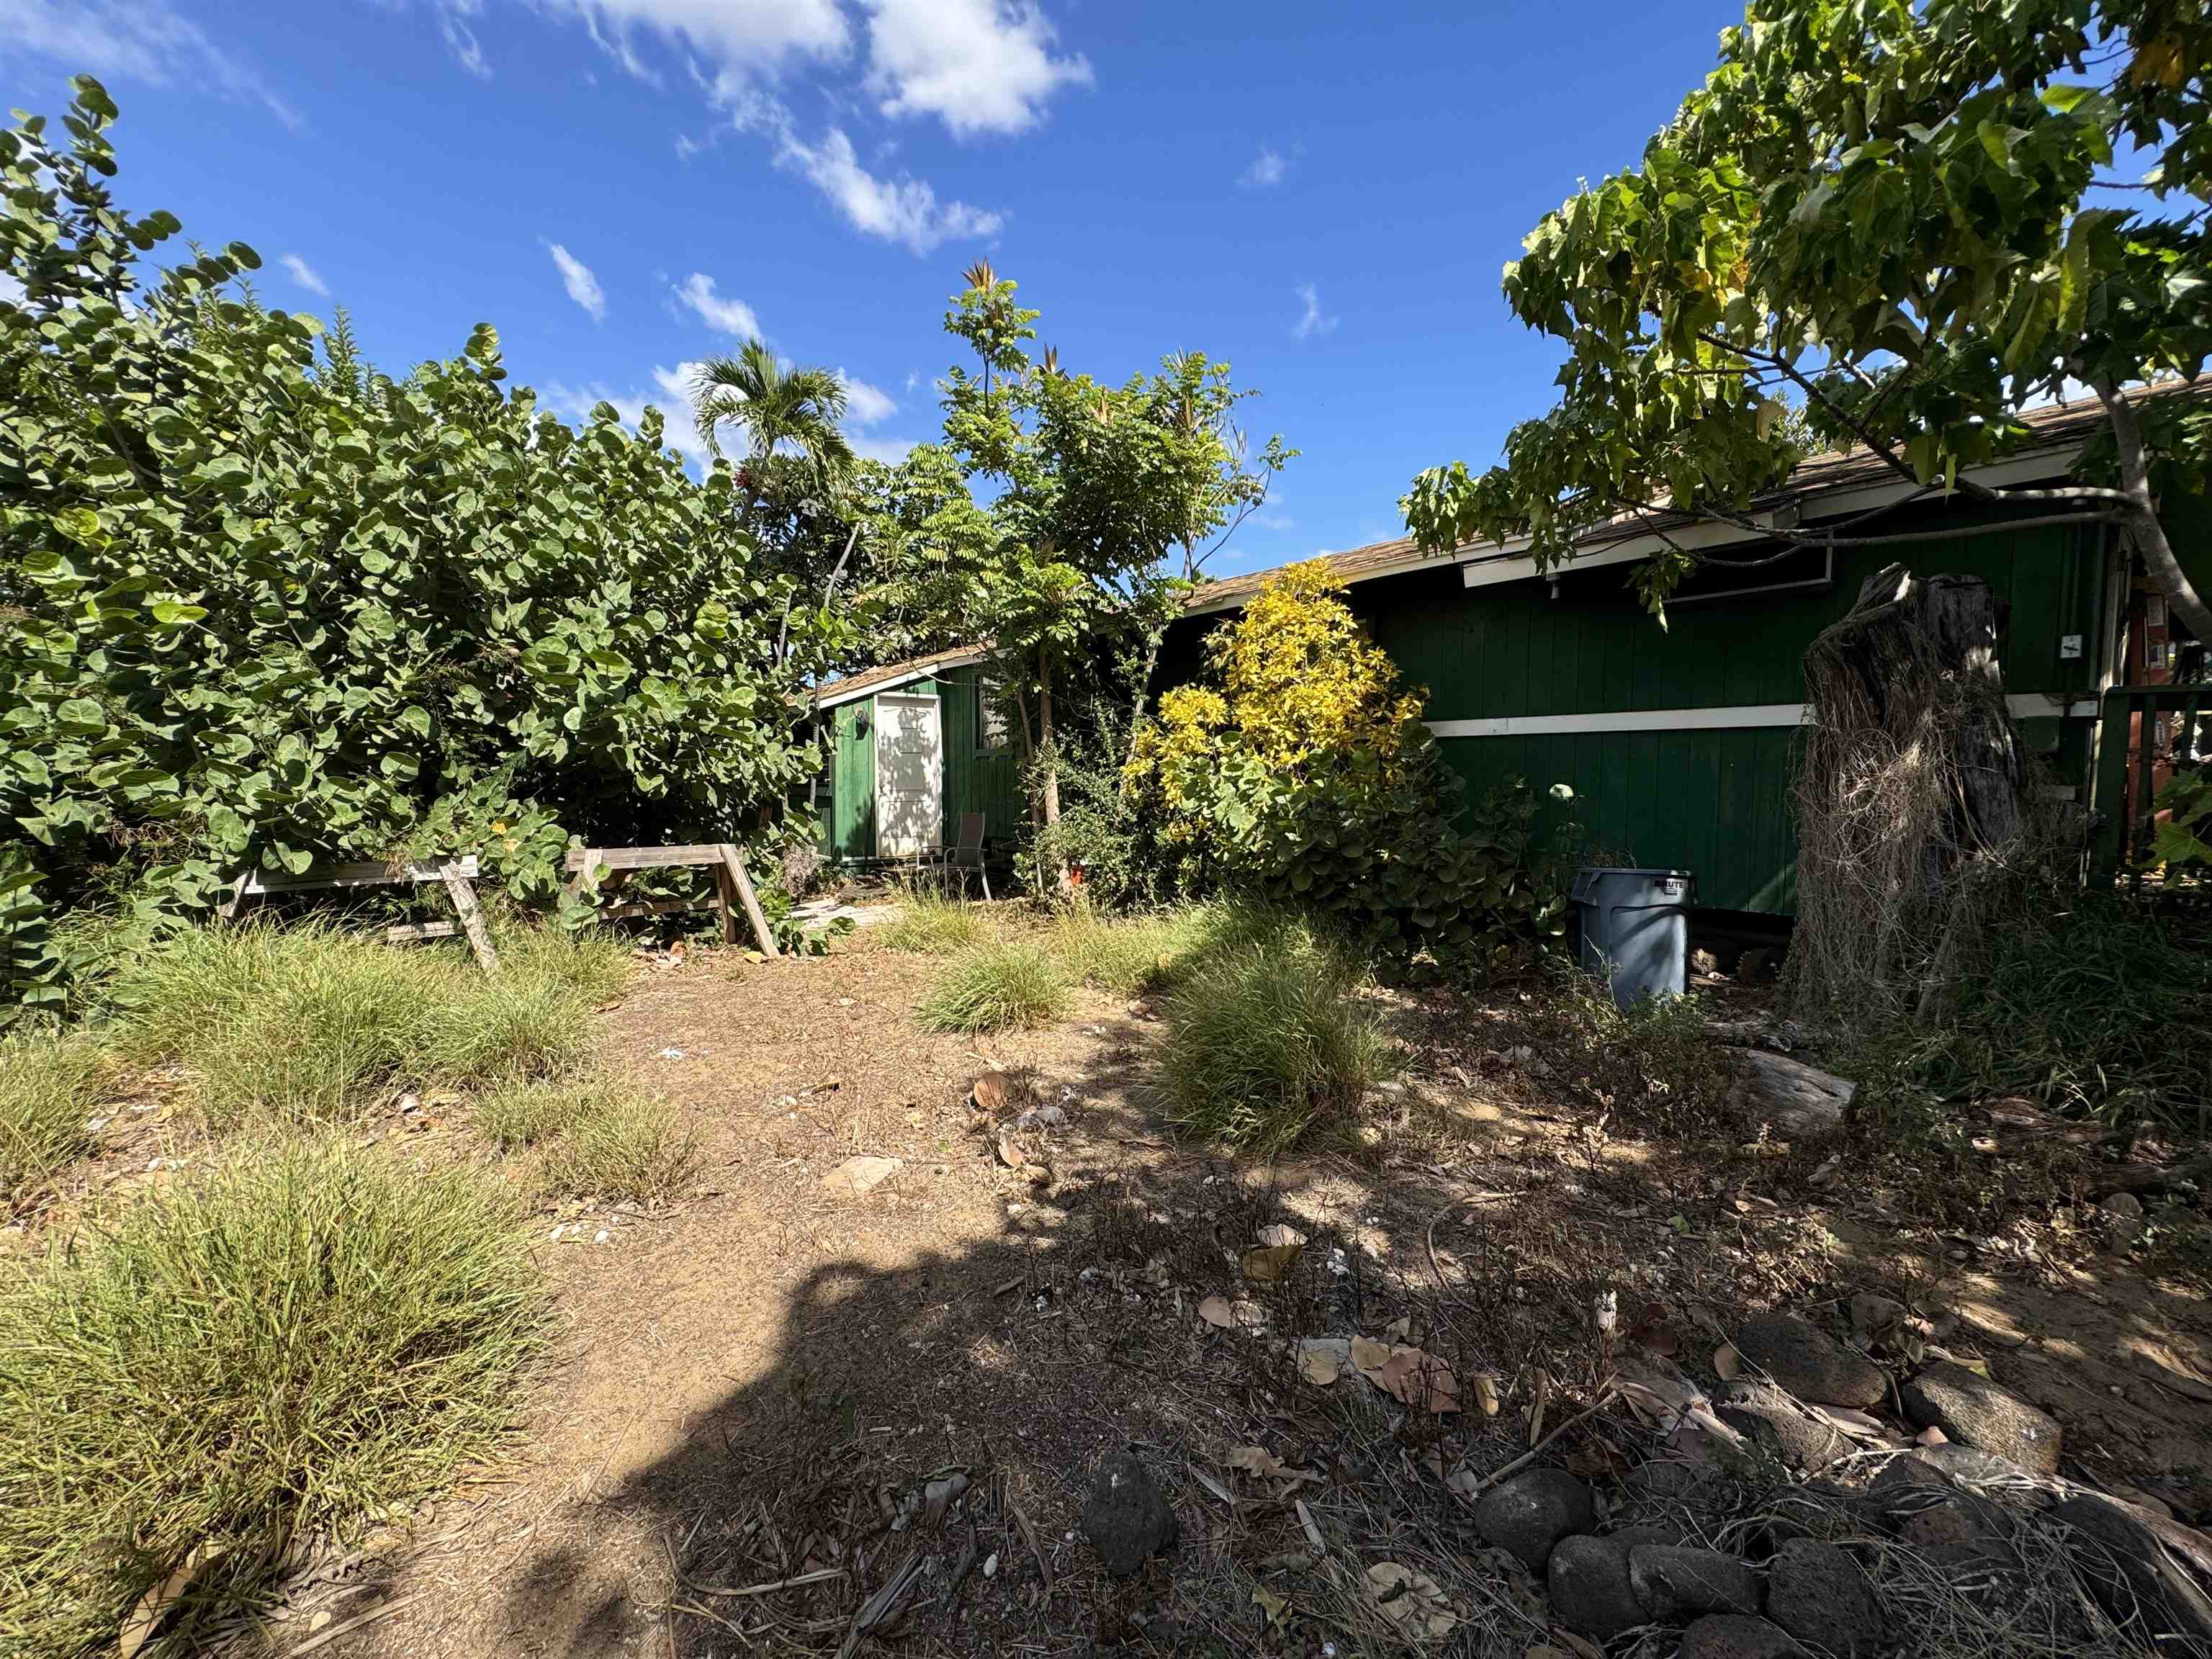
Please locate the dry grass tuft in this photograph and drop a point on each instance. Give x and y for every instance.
(929, 924)
(614, 1144)
(280, 1348)
(50, 1088)
(1004, 985)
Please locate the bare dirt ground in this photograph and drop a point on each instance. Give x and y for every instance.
(779, 1380)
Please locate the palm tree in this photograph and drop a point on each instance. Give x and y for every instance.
(782, 408)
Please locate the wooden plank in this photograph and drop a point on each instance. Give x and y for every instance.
(735, 866)
(356, 875)
(408, 932)
(725, 901)
(465, 905)
(653, 908)
(642, 858)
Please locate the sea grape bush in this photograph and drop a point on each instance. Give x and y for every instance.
(261, 607)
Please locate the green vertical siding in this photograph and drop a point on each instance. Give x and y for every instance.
(1713, 801)
(1716, 801)
(977, 780)
(851, 816)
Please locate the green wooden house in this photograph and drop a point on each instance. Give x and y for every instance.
(1679, 742)
(915, 745)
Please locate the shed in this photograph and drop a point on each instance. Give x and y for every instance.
(1679, 742)
(913, 746)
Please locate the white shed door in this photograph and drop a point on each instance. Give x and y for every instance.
(909, 775)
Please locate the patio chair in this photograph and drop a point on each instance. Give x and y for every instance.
(968, 854)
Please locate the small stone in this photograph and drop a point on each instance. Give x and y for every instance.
(860, 1175)
(1731, 1636)
(1809, 1363)
(1127, 1517)
(1773, 1421)
(2134, 1575)
(1819, 1593)
(1533, 1511)
(1587, 1579)
(1674, 1583)
(2123, 1204)
(1970, 1408)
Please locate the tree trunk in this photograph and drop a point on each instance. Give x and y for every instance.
(1152, 638)
(1913, 803)
(2164, 570)
(1051, 789)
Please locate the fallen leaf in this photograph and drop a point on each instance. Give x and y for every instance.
(1276, 1235)
(1010, 1151)
(1409, 1374)
(1411, 1600)
(1321, 1359)
(1932, 1436)
(1577, 1644)
(992, 1092)
(1267, 1263)
(1258, 1460)
(1728, 1363)
(1486, 1394)
(154, 1605)
(1215, 1310)
(1270, 1603)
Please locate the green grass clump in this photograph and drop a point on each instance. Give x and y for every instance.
(317, 1024)
(529, 1110)
(1268, 1042)
(1003, 984)
(1126, 956)
(286, 1344)
(617, 1144)
(929, 924)
(50, 1087)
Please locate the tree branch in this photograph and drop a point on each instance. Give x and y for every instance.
(1805, 384)
(2164, 570)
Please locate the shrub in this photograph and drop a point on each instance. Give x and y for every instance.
(283, 1346)
(1654, 1064)
(1301, 773)
(617, 1144)
(1002, 985)
(49, 1089)
(304, 612)
(929, 924)
(1126, 956)
(314, 1023)
(1267, 1041)
(527, 1111)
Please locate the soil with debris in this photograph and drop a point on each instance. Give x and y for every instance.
(902, 1373)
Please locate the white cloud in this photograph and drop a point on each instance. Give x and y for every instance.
(890, 451)
(865, 405)
(1267, 170)
(913, 379)
(304, 275)
(1312, 320)
(456, 21)
(672, 396)
(134, 40)
(978, 65)
(738, 42)
(583, 286)
(1273, 520)
(905, 210)
(697, 293)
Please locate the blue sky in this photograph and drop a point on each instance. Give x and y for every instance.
(1320, 193)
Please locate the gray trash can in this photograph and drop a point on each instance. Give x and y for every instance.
(1636, 930)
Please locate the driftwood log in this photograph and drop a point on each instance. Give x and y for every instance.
(1799, 1102)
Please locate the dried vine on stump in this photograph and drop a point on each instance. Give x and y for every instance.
(1914, 815)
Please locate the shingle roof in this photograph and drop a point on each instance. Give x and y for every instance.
(2053, 427)
(830, 693)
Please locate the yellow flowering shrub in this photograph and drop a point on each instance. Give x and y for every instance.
(1300, 770)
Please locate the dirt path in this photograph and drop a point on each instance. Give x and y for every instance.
(750, 1389)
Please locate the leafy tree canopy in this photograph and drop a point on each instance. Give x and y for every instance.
(1906, 219)
(262, 610)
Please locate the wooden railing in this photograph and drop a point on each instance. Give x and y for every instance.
(2148, 731)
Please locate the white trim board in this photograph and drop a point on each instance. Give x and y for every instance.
(1740, 717)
